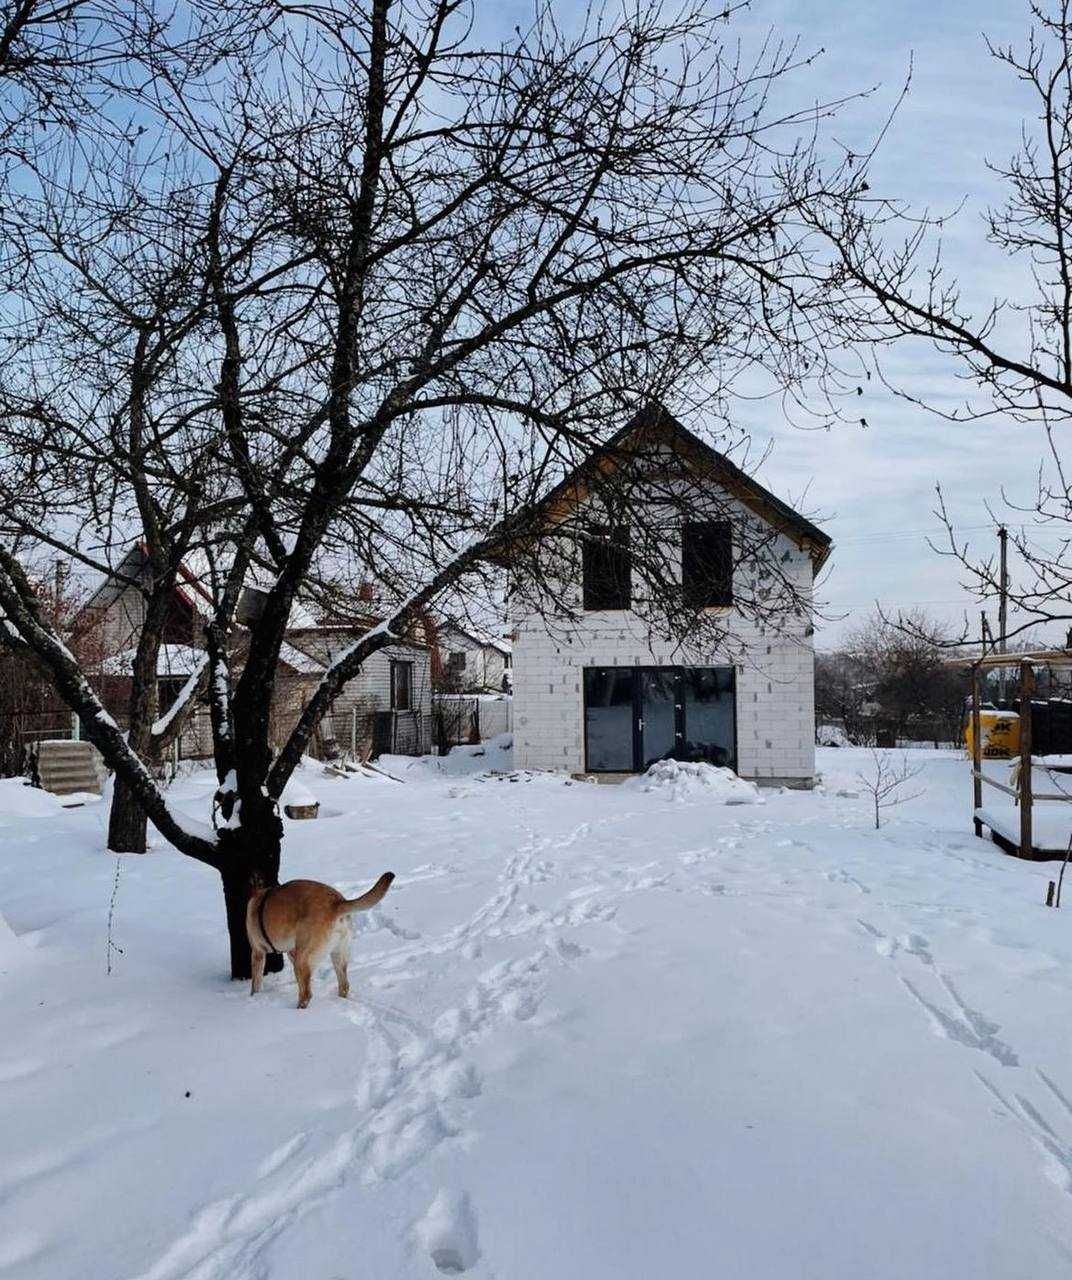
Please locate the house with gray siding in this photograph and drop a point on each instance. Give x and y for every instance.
(600, 690)
(387, 706)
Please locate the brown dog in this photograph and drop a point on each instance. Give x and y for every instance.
(306, 919)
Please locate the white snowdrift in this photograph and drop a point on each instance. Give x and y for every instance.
(494, 756)
(297, 793)
(684, 780)
(19, 800)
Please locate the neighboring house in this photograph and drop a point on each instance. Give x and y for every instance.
(607, 695)
(386, 707)
(296, 678)
(396, 679)
(110, 621)
(473, 661)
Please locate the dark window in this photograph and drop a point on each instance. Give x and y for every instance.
(707, 564)
(168, 689)
(456, 662)
(508, 661)
(401, 686)
(608, 570)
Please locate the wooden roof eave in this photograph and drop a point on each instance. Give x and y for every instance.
(995, 661)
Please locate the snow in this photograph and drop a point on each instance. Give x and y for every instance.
(172, 660)
(592, 1033)
(182, 698)
(1051, 823)
(296, 793)
(832, 735)
(19, 800)
(684, 780)
(484, 758)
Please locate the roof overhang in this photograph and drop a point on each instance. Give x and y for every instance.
(655, 426)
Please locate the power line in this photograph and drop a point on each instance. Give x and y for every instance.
(884, 535)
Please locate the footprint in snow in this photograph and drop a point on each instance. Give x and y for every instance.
(281, 1155)
(448, 1234)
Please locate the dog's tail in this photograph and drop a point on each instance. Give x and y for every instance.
(370, 899)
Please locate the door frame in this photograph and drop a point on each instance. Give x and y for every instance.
(680, 727)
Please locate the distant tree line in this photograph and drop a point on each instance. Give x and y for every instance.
(889, 681)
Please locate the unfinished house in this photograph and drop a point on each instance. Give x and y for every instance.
(598, 690)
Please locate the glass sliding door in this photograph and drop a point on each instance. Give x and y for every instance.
(609, 719)
(634, 716)
(659, 705)
(710, 723)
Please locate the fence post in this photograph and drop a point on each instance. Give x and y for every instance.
(1027, 688)
(353, 732)
(977, 753)
(76, 727)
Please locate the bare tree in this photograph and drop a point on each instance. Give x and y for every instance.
(1016, 356)
(437, 278)
(100, 444)
(903, 664)
(884, 781)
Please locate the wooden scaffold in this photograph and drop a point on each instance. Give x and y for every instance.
(1017, 828)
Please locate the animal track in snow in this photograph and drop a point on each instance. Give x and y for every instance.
(448, 1233)
(967, 1027)
(1044, 1135)
(415, 1087)
(962, 1023)
(841, 876)
(281, 1155)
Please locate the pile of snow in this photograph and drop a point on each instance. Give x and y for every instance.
(296, 793)
(831, 735)
(494, 756)
(685, 780)
(19, 800)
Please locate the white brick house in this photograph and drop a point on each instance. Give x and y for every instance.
(603, 693)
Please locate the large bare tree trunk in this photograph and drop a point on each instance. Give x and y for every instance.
(251, 854)
(126, 821)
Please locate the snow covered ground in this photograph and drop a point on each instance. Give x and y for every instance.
(596, 1032)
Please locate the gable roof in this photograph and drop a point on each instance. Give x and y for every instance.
(485, 639)
(188, 586)
(655, 425)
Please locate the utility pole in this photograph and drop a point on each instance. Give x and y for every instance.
(1003, 599)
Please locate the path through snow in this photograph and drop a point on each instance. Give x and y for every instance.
(594, 1032)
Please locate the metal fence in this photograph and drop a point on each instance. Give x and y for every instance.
(459, 719)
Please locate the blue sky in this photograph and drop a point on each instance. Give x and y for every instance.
(872, 488)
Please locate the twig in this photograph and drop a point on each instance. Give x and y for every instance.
(112, 946)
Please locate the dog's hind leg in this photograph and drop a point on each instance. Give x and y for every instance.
(340, 958)
(257, 969)
(303, 971)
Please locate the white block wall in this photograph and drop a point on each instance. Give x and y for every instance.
(775, 684)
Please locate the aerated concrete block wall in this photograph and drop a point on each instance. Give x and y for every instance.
(774, 679)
